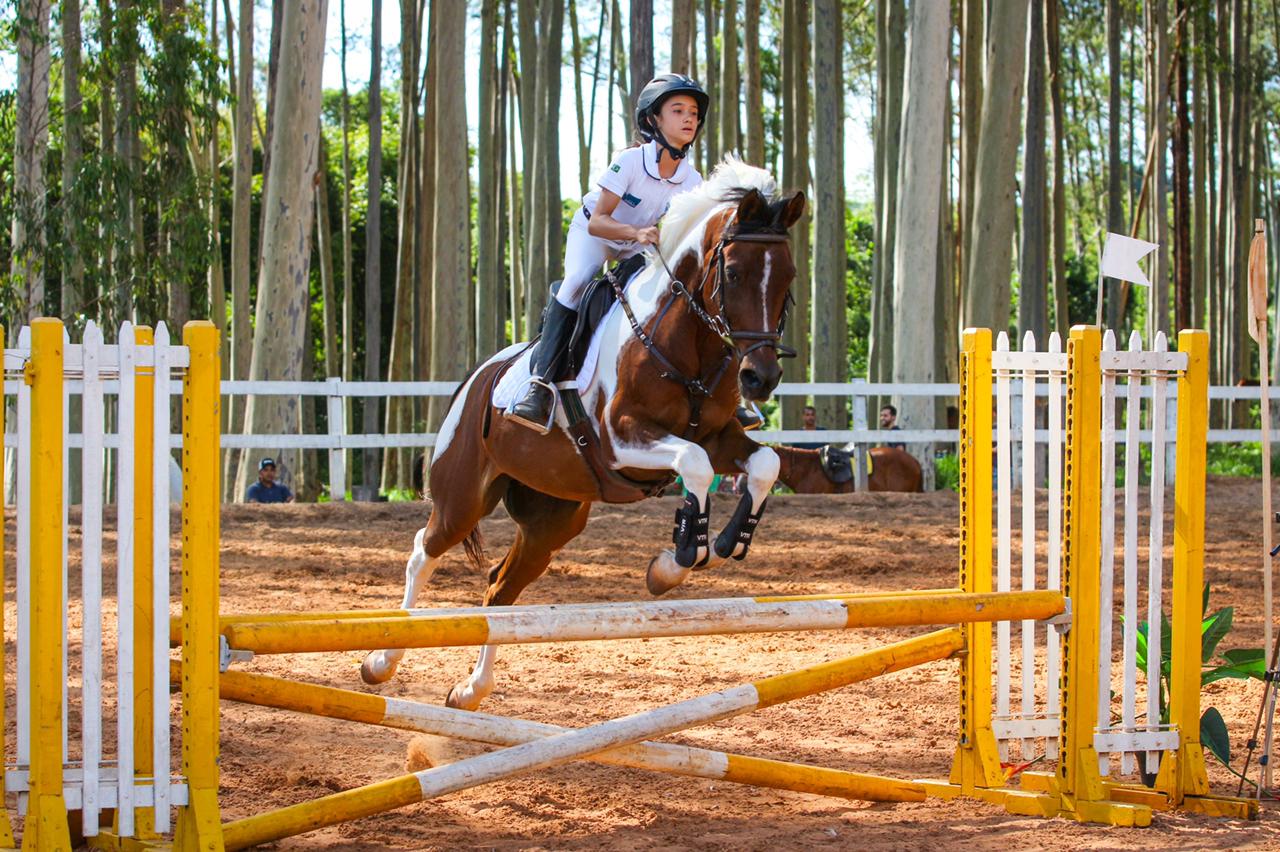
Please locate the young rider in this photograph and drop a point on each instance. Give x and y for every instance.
(616, 221)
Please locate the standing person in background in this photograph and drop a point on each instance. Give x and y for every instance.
(889, 423)
(266, 489)
(809, 423)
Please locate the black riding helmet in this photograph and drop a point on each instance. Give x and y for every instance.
(651, 99)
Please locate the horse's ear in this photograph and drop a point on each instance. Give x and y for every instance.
(792, 210)
(752, 207)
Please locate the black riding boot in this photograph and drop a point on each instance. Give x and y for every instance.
(549, 360)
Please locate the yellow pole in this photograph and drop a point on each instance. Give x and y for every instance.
(6, 829)
(143, 581)
(423, 631)
(1183, 772)
(199, 824)
(46, 823)
(408, 789)
(977, 758)
(1079, 780)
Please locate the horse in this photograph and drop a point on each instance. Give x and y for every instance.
(710, 303)
(830, 471)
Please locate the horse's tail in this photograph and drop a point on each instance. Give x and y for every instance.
(473, 544)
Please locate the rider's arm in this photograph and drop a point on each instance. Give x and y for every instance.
(603, 225)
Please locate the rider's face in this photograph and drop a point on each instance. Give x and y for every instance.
(678, 120)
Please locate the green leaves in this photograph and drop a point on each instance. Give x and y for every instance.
(1213, 735)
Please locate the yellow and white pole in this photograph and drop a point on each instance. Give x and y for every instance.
(334, 703)
(225, 621)
(199, 824)
(574, 745)
(524, 624)
(143, 577)
(46, 823)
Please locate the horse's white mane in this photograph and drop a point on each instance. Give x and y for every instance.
(689, 209)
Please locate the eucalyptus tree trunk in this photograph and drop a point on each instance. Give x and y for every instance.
(31, 144)
(755, 85)
(530, 18)
(449, 356)
(283, 303)
(217, 275)
(797, 331)
(1058, 240)
(729, 82)
(986, 302)
(971, 58)
(921, 195)
(1159, 132)
(241, 344)
(1182, 175)
(1200, 128)
(105, 73)
(372, 249)
(1115, 168)
(515, 228)
(552, 62)
(641, 46)
(72, 150)
(796, 177)
(830, 343)
(426, 216)
(127, 258)
(891, 28)
(1033, 301)
(489, 331)
(711, 133)
(324, 248)
(348, 278)
(584, 154)
(684, 29)
(396, 473)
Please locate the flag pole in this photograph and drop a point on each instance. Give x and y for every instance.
(1258, 331)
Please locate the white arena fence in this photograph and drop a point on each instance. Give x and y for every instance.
(338, 443)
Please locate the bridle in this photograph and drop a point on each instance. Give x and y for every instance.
(701, 387)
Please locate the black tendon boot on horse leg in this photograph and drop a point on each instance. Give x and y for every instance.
(691, 533)
(547, 363)
(739, 529)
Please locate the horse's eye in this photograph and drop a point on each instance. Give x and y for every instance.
(733, 275)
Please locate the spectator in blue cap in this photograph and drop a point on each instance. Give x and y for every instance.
(266, 489)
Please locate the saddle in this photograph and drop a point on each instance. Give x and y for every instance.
(837, 464)
(598, 298)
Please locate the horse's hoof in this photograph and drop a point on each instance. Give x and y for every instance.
(375, 671)
(665, 573)
(458, 698)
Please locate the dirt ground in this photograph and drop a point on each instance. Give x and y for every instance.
(351, 556)
(324, 557)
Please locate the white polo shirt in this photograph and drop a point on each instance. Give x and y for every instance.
(633, 176)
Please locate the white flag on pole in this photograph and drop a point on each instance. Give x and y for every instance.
(1120, 256)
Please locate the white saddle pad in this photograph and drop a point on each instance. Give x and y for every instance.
(511, 388)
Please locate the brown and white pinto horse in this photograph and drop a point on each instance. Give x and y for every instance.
(659, 408)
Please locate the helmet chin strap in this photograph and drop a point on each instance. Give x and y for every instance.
(677, 154)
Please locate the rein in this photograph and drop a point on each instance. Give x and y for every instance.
(701, 387)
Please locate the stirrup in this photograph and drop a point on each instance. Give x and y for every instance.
(540, 428)
(749, 417)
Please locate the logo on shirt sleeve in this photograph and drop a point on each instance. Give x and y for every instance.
(616, 167)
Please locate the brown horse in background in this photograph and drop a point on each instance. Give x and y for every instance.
(807, 472)
(697, 332)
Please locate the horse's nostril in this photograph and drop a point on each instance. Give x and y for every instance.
(750, 379)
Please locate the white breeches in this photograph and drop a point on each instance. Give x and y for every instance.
(584, 257)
